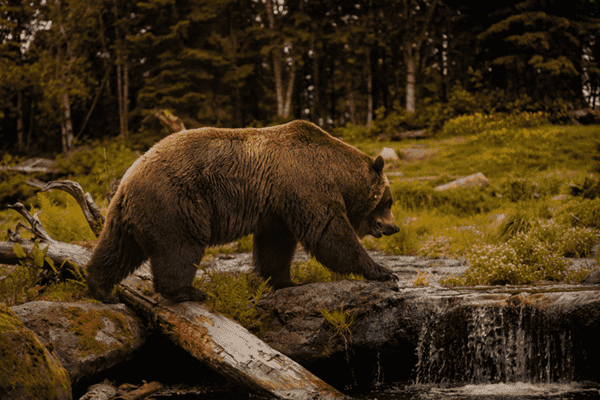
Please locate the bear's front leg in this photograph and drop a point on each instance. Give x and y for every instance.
(340, 250)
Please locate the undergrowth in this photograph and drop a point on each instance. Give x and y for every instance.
(234, 294)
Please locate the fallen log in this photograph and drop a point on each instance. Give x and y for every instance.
(227, 347)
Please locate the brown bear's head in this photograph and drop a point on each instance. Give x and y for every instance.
(380, 220)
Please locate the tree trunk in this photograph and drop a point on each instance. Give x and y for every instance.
(67, 124)
(290, 91)
(125, 99)
(20, 125)
(350, 101)
(284, 99)
(411, 80)
(369, 91)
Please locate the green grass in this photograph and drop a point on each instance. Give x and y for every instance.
(527, 168)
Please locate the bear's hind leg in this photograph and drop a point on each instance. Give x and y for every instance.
(273, 249)
(174, 272)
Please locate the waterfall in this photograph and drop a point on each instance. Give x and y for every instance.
(494, 343)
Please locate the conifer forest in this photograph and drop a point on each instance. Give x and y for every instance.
(77, 70)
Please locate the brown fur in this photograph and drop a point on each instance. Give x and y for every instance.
(211, 186)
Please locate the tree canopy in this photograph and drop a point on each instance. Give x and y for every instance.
(77, 69)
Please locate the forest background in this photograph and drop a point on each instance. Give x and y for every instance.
(94, 69)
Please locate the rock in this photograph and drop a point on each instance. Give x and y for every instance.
(472, 181)
(401, 332)
(389, 154)
(28, 370)
(593, 277)
(86, 337)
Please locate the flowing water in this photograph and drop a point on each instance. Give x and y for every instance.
(484, 344)
(467, 352)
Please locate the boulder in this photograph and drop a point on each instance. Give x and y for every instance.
(389, 154)
(28, 369)
(472, 181)
(399, 332)
(87, 338)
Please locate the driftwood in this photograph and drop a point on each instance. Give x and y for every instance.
(214, 339)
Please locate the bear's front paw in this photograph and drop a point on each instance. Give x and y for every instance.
(383, 274)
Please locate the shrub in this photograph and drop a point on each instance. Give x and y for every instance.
(12, 184)
(492, 128)
(523, 259)
(585, 213)
(588, 189)
(436, 246)
(564, 240)
(97, 164)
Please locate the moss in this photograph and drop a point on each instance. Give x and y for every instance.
(27, 368)
(87, 324)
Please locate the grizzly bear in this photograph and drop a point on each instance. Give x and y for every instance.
(202, 187)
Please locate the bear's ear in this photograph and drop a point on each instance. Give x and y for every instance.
(378, 164)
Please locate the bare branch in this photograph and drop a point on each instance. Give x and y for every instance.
(90, 210)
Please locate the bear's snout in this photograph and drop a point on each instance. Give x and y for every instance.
(388, 229)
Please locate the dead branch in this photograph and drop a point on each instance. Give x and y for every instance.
(91, 211)
(170, 121)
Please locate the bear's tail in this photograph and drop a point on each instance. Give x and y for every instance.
(116, 255)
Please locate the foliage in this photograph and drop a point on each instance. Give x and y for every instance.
(422, 278)
(313, 271)
(235, 295)
(95, 165)
(36, 277)
(486, 127)
(340, 320)
(460, 201)
(62, 217)
(212, 63)
(588, 189)
(521, 260)
(436, 246)
(584, 213)
(12, 184)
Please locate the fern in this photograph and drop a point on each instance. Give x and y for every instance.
(63, 219)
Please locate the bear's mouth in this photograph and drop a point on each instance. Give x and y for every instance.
(376, 231)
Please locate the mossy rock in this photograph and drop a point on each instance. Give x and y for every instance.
(28, 370)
